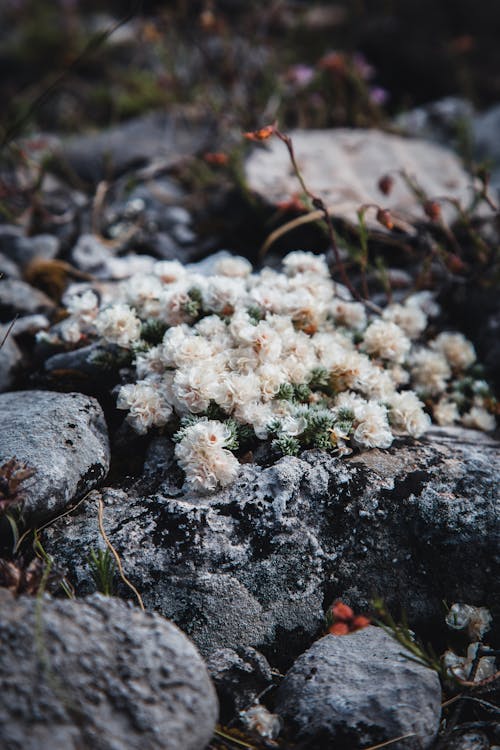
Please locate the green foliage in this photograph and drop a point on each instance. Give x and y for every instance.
(194, 306)
(255, 314)
(286, 392)
(102, 569)
(286, 445)
(153, 330)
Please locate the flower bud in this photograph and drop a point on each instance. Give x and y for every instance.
(385, 184)
(432, 210)
(384, 217)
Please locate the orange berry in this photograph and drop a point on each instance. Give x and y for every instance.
(339, 628)
(341, 611)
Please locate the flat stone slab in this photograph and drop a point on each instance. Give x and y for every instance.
(343, 167)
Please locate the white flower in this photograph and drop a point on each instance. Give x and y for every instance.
(461, 666)
(476, 620)
(445, 412)
(407, 414)
(83, 307)
(386, 340)
(459, 352)
(429, 371)
(301, 262)
(372, 430)
(479, 419)
(233, 267)
(169, 271)
(70, 330)
(146, 406)
(118, 324)
(203, 456)
(410, 318)
(349, 314)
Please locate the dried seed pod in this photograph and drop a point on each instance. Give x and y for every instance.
(432, 210)
(384, 217)
(385, 184)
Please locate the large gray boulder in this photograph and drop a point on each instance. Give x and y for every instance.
(99, 675)
(63, 437)
(360, 689)
(256, 564)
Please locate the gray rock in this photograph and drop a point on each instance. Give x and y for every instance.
(442, 121)
(63, 436)
(22, 250)
(239, 677)
(18, 297)
(256, 564)
(8, 269)
(132, 144)
(360, 689)
(358, 159)
(99, 675)
(93, 256)
(10, 357)
(469, 741)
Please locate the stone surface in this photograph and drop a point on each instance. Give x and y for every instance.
(469, 741)
(22, 250)
(10, 358)
(360, 689)
(259, 562)
(99, 675)
(239, 677)
(444, 121)
(63, 436)
(344, 166)
(132, 144)
(18, 297)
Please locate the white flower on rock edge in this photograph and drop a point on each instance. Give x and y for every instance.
(147, 408)
(203, 455)
(458, 351)
(407, 415)
(84, 307)
(302, 262)
(372, 430)
(118, 324)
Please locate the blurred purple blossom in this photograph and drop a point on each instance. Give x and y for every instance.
(379, 96)
(300, 75)
(362, 66)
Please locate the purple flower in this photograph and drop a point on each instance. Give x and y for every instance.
(379, 96)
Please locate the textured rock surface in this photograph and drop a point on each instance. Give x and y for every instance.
(360, 689)
(258, 563)
(239, 677)
(344, 166)
(10, 357)
(63, 436)
(18, 297)
(99, 675)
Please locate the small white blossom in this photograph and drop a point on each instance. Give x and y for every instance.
(203, 456)
(461, 666)
(118, 324)
(479, 419)
(407, 414)
(386, 340)
(445, 412)
(476, 620)
(459, 352)
(146, 406)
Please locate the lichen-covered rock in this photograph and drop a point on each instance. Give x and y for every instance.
(360, 689)
(63, 437)
(258, 562)
(99, 674)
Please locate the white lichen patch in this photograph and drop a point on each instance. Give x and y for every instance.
(233, 357)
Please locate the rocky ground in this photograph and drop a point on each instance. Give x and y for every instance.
(137, 613)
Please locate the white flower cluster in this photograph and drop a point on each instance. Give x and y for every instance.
(286, 356)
